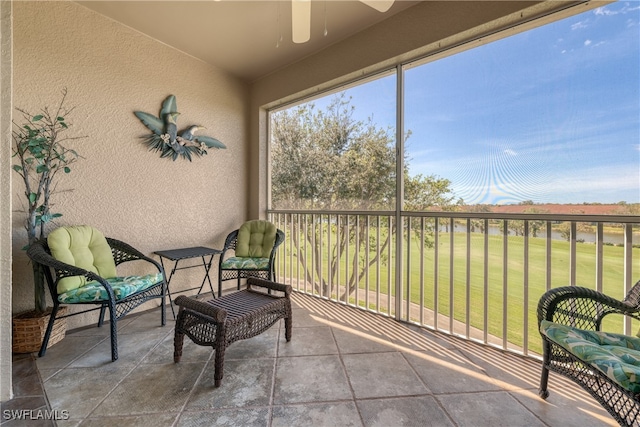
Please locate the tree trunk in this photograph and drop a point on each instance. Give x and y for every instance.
(40, 300)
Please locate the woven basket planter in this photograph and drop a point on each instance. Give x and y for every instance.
(29, 329)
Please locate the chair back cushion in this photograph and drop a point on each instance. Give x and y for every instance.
(84, 247)
(256, 239)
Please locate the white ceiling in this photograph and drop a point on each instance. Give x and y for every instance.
(242, 36)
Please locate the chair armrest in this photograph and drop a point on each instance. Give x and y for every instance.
(217, 314)
(254, 281)
(580, 307)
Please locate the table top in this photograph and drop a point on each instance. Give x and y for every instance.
(196, 251)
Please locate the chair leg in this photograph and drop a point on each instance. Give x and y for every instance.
(219, 363)
(544, 377)
(101, 316)
(178, 342)
(47, 335)
(288, 323)
(114, 331)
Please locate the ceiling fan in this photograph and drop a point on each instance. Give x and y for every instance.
(301, 16)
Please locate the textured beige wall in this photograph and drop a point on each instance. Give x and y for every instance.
(119, 186)
(5, 192)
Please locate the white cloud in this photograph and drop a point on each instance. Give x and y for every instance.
(579, 25)
(603, 11)
(587, 42)
(510, 152)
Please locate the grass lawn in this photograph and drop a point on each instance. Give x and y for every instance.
(451, 281)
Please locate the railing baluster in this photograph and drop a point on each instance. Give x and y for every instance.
(485, 334)
(421, 281)
(572, 254)
(548, 252)
(329, 266)
(408, 275)
(389, 264)
(599, 255)
(468, 282)
(379, 249)
(436, 258)
(628, 281)
(525, 302)
(298, 251)
(356, 263)
(505, 273)
(451, 283)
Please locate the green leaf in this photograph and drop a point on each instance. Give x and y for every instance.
(67, 169)
(56, 215)
(64, 125)
(36, 118)
(17, 168)
(32, 197)
(168, 106)
(60, 119)
(41, 168)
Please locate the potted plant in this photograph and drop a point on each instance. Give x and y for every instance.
(41, 154)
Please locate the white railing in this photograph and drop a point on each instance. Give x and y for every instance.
(488, 269)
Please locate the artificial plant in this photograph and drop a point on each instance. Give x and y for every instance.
(38, 146)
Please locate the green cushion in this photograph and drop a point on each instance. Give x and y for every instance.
(236, 263)
(122, 288)
(615, 355)
(256, 239)
(84, 247)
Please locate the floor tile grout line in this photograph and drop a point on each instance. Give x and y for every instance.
(515, 397)
(274, 372)
(193, 387)
(346, 374)
(133, 368)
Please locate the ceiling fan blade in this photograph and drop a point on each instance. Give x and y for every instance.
(379, 5)
(301, 20)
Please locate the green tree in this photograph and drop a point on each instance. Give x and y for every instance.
(565, 227)
(517, 226)
(327, 160)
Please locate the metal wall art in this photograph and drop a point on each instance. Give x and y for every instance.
(166, 139)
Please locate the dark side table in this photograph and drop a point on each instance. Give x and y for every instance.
(176, 255)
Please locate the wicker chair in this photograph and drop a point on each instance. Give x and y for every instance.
(230, 269)
(56, 270)
(236, 316)
(585, 309)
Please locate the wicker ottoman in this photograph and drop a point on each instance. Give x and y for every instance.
(232, 317)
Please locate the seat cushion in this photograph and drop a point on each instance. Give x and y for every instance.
(256, 239)
(615, 355)
(238, 263)
(84, 247)
(122, 288)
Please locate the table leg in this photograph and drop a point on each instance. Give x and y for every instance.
(168, 282)
(207, 267)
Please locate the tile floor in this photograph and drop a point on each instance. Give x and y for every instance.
(343, 367)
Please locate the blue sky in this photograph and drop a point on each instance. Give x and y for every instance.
(550, 115)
